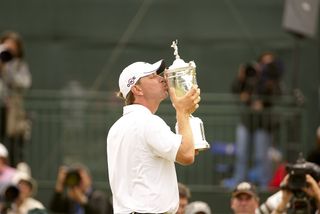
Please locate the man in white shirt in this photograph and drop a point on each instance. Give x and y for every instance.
(141, 148)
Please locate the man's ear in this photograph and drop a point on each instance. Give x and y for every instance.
(136, 89)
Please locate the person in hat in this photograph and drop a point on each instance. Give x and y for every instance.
(19, 197)
(141, 148)
(184, 196)
(198, 207)
(6, 172)
(244, 199)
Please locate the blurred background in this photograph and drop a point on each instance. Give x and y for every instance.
(76, 50)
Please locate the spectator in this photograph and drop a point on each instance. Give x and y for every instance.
(198, 207)
(19, 198)
(244, 199)
(184, 196)
(15, 80)
(81, 197)
(6, 172)
(256, 84)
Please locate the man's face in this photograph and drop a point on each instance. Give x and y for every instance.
(183, 202)
(154, 87)
(244, 204)
(25, 190)
(11, 45)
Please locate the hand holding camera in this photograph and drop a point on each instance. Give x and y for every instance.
(67, 177)
(312, 189)
(76, 180)
(300, 188)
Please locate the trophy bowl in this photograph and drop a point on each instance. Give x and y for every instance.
(181, 79)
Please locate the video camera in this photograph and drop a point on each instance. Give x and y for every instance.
(5, 54)
(301, 202)
(73, 178)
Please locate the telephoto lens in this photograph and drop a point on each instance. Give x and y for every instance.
(5, 54)
(73, 178)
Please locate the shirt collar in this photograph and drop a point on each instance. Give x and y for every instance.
(134, 108)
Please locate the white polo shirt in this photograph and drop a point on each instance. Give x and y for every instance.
(141, 151)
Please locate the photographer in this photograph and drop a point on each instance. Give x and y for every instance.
(15, 79)
(256, 84)
(300, 191)
(74, 193)
(18, 198)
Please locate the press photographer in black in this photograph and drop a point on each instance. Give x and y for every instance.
(300, 191)
(75, 194)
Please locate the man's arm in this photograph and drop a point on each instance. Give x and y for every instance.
(185, 106)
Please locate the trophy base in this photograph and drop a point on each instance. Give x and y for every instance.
(199, 139)
(204, 145)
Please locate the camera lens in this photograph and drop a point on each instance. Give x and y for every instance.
(72, 178)
(11, 193)
(5, 56)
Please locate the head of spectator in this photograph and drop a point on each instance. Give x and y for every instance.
(12, 42)
(270, 66)
(6, 172)
(3, 156)
(266, 57)
(244, 199)
(26, 185)
(184, 196)
(198, 207)
(77, 177)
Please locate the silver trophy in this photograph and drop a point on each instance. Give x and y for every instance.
(182, 76)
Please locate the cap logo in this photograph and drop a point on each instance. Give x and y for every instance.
(131, 81)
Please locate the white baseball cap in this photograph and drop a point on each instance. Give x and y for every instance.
(132, 73)
(3, 151)
(198, 207)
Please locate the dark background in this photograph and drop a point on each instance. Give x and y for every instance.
(91, 41)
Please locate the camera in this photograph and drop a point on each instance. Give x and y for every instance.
(298, 171)
(11, 193)
(301, 202)
(73, 178)
(250, 70)
(5, 54)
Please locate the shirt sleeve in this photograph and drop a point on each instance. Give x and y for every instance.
(162, 141)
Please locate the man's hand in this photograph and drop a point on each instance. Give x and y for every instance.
(312, 189)
(61, 178)
(188, 103)
(77, 195)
